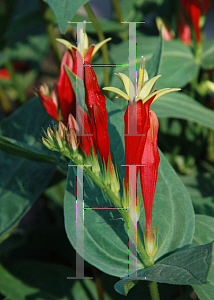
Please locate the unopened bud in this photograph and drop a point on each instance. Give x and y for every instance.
(72, 123)
(62, 129)
(95, 163)
(54, 95)
(50, 133)
(45, 89)
(47, 143)
(72, 139)
(115, 184)
(58, 139)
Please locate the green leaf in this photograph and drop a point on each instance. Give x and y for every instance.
(129, 10)
(204, 233)
(178, 66)
(33, 48)
(65, 10)
(34, 280)
(207, 56)
(3, 57)
(24, 141)
(185, 267)
(22, 181)
(106, 24)
(201, 190)
(105, 238)
(17, 148)
(178, 105)
(154, 63)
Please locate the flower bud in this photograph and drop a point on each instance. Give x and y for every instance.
(45, 89)
(62, 129)
(54, 95)
(50, 133)
(72, 139)
(58, 139)
(72, 123)
(47, 143)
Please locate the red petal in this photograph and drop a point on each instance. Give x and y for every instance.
(78, 64)
(93, 94)
(86, 138)
(205, 5)
(149, 172)
(192, 9)
(65, 89)
(195, 16)
(101, 136)
(49, 105)
(134, 144)
(5, 74)
(88, 55)
(184, 30)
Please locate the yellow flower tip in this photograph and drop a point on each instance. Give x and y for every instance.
(66, 43)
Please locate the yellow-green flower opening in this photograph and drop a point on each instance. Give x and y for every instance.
(144, 86)
(83, 45)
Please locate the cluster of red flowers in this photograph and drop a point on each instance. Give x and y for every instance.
(93, 132)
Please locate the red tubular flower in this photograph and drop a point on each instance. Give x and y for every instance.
(134, 144)
(74, 59)
(184, 30)
(205, 5)
(167, 34)
(65, 89)
(148, 176)
(50, 101)
(193, 10)
(141, 146)
(86, 138)
(96, 104)
(84, 133)
(195, 17)
(5, 74)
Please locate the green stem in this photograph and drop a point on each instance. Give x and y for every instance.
(117, 10)
(101, 37)
(46, 12)
(154, 290)
(147, 260)
(15, 81)
(98, 283)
